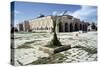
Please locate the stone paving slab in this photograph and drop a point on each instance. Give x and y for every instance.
(26, 56)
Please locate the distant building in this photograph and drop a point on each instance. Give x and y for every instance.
(65, 23)
(92, 27)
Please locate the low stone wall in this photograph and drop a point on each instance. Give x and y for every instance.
(62, 48)
(56, 50)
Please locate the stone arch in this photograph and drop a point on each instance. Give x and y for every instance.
(60, 27)
(76, 27)
(66, 27)
(80, 26)
(71, 27)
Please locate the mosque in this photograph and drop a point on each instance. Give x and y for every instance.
(64, 23)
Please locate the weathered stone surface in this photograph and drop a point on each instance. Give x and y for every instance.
(88, 40)
(62, 48)
(46, 50)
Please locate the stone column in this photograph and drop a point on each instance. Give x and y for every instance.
(63, 26)
(73, 27)
(68, 27)
(78, 26)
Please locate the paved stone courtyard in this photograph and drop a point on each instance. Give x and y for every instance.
(26, 46)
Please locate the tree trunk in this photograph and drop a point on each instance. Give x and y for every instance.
(55, 41)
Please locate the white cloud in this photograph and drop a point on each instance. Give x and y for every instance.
(86, 13)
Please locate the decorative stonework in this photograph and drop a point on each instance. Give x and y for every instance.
(65, 23)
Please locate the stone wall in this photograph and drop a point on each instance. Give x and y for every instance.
(65, 23)
(44, 24)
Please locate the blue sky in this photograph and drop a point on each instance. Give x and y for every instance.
(29, 10)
